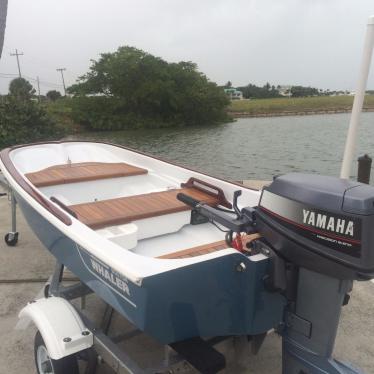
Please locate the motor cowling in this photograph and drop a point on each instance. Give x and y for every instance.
(321, 223)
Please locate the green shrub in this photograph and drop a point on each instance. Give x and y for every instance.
(102, 113)
(132, 88)
(21, 88)
(24, 121)
(53, 95)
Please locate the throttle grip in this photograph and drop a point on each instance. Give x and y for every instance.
(188, 200)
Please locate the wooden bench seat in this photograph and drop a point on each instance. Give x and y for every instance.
(123, 210)
(197, 251)
(82, 172)
(206, 248)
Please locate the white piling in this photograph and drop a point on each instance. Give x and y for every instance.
(358, 102)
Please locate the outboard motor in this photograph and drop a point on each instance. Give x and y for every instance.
(319, 233)
(323, 228)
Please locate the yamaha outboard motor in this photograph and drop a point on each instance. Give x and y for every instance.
(319, 233)
(323, 228)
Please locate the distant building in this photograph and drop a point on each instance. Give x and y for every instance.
(234, 94)
(284, 90)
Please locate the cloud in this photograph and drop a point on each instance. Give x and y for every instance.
(305, 42)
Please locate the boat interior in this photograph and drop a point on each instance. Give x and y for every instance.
(135, 207)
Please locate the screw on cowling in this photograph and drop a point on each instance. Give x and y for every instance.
(66, 340)
(241, 267)
(85, 333)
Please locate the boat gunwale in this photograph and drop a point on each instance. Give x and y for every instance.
(30, 189)
(57, 212)
(136, 268)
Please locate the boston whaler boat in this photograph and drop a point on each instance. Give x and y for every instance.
(113, 218)
(186, 257)
(138, 232)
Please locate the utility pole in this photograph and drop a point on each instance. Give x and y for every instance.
(3, 14)
(62, 76)
(17, 55)
(37, 80)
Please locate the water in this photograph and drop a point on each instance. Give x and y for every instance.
(253, 148)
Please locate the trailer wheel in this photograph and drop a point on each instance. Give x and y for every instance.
(11, 239)
(46, 365)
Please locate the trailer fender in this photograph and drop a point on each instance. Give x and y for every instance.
(60, 325)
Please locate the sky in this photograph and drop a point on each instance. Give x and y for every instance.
(288, 42)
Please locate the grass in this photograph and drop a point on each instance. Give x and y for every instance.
(297, 105)
(60, 110)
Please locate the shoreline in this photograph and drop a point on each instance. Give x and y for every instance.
(234, 114)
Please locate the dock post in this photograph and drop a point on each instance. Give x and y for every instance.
(358, 102)
(364, 168)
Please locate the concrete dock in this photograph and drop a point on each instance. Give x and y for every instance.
(29, 262)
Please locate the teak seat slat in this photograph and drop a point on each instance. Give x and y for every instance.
(82, 172)
(206, 248)
(196, 251)
(100, 214)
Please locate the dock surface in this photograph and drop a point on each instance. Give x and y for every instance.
(23, 265)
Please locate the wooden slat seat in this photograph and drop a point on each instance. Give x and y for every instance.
(196, 251)
(123, 210)
(206, 248)
(82, 172)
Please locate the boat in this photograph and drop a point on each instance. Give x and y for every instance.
(183, 255)
(111, 216)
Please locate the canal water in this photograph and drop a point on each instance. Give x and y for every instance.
(253, 148)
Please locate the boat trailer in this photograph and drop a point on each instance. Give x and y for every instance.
(81, 338)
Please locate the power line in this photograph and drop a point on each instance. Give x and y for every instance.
(8, 75)
(44, 83)
(36, 81)
(17, 55)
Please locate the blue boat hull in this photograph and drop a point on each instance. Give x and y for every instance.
(210, 298)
